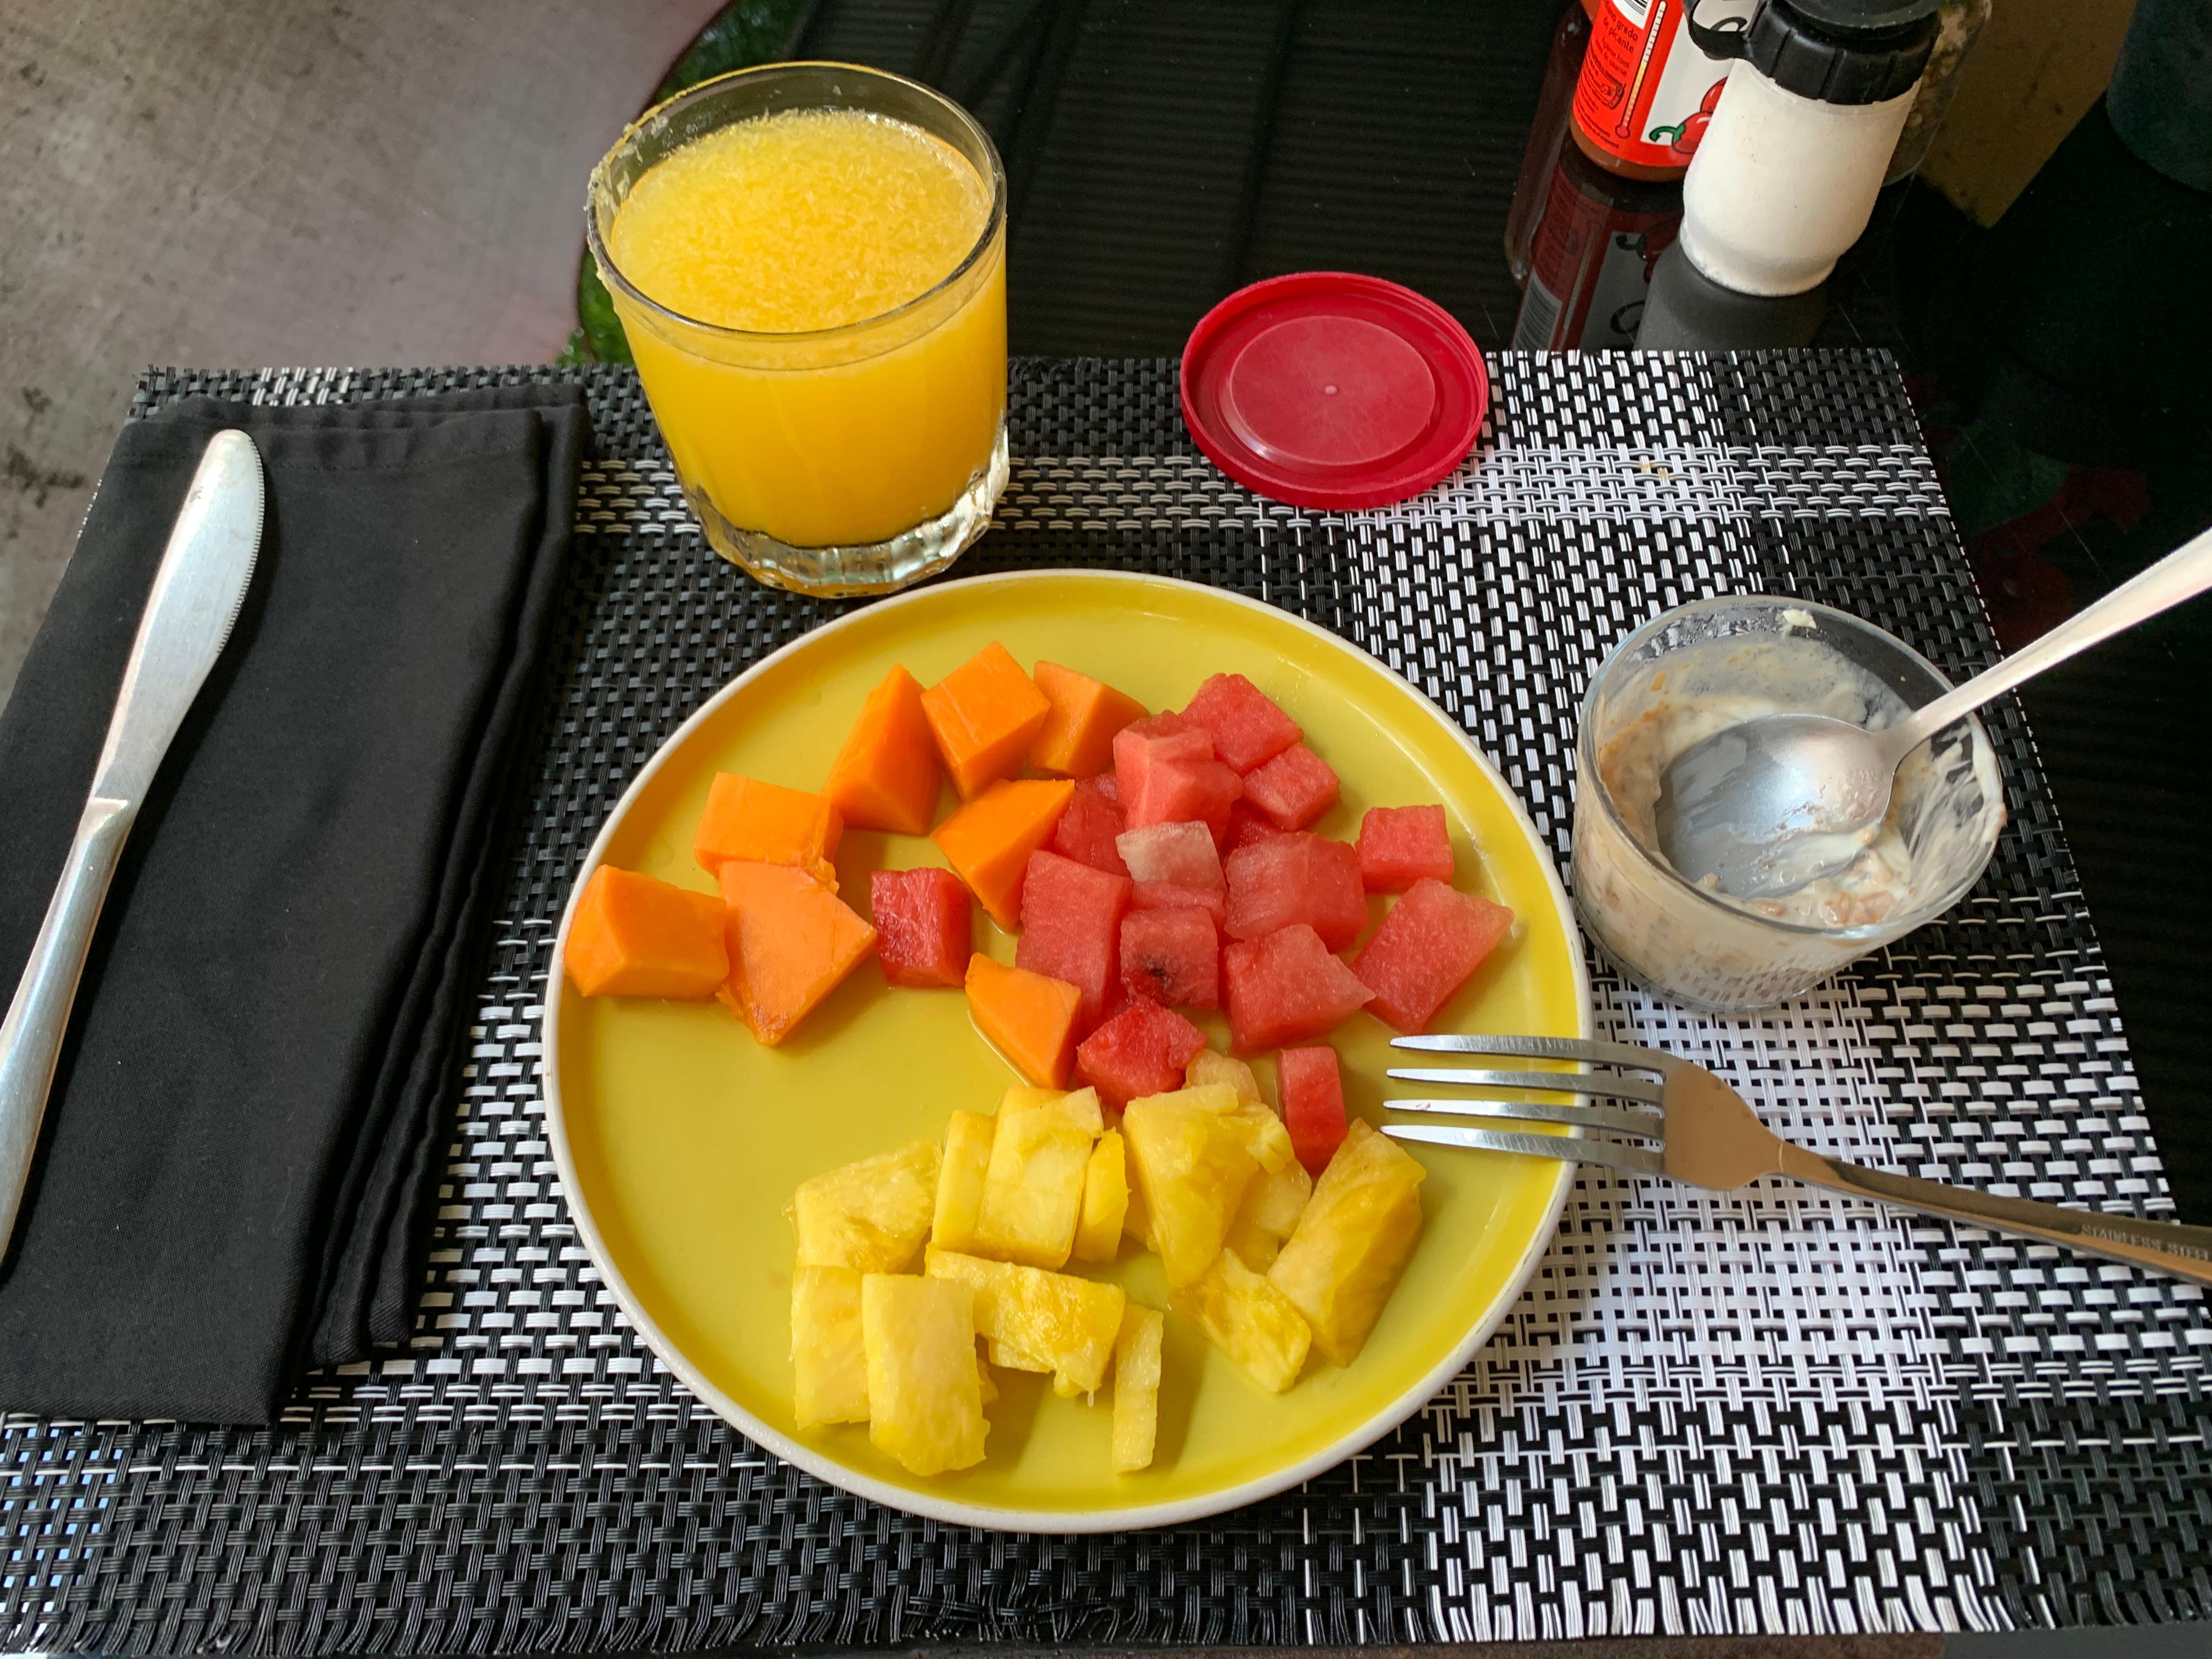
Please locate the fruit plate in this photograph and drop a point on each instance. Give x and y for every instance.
(679, 1139)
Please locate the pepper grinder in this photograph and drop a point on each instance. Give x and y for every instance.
(1786, 176)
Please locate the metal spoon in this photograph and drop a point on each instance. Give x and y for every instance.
(1770, 804)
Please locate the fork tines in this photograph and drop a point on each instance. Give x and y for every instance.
(1640, 1119)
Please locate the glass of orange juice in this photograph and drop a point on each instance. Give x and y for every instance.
(809, 261)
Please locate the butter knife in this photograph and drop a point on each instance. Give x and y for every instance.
(202, 582)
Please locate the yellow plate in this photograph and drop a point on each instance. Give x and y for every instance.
(679, 1139)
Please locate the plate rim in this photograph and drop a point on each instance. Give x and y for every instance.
(997, 1517)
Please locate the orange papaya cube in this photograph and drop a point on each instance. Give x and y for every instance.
(791, 941)
(983, 716)
(636, 936)
(989, 841)
(1028, 1019)
(757, 823)
(1077, 738)
(885, 776)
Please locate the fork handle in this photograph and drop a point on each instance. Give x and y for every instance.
(2167, 1246)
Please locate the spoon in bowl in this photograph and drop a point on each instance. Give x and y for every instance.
(1771, 803)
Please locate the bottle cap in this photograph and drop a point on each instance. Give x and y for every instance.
(1330, 390)
(1841, 52)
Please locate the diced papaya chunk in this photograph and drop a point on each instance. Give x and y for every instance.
(983, 716)
(925, 1392)
(761, 823)
(791, 942)
(1136, 1387)
(1105, 1201)
(828, 1362)
(1040, 1321)
(885, 776)
(868, 1216)
(960, 1183)
(637, 936)
(1028, 1019)
(989, 839)
(1077, 738)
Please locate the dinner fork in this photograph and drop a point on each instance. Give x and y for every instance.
(1702, 1132)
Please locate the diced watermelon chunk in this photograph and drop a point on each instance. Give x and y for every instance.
(1172, 958)
(1246, 826)
(1142, 1050)
(1299, 878)
(1086, 831)
(1286, 988)
(1247, 727)
(1072, 930)
(1427, 947)
(1400, 845)
(1312, 1092)
(1294, 788)
(1109, 786)
(1186, 792)
(1181, 855)
(1167, 896)
(924, 925)
(1164, 770)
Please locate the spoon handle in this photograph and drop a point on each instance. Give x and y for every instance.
(2181, 575)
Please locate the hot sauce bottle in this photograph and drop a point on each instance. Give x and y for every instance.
(1647, 89)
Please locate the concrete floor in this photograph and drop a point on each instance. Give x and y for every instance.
(236, 183)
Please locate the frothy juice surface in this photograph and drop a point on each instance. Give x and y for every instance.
(809, 220)
(812, 220)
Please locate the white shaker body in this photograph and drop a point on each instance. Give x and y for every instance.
(1782, 183)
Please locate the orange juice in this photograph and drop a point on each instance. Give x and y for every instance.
(822, 382)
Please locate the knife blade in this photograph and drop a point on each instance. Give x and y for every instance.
(198, 589)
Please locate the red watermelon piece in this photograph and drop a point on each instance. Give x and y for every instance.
(1400, 845)
(1294, 788)
(1247, 727)
(1246, 826)
(1087, 829)
(1142, 1051)
(1286, 988)
(1427, 947)
(1298, 877)
(1312, 1092)
(1167, 896)
(1172, 958)
(1181, 855)
(924, 925)
(1072, 930)
(1165, 772)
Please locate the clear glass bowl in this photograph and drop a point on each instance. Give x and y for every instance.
(1693, 947)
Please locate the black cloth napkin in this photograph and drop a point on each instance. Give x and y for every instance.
(249, 1121)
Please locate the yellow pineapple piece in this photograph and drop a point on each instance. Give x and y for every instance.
(1022, 1096)
(1105, 1201)
(1037, 1320)
(828, 1362)
(870, 1216)
(1136, 1219)
(925, 1388)
(1211, 1066)
(986, 1385)
(1136, 1387)
(960, 1183)
(1081, 1104)
(1248, 1319)
(1269, 1214)
(1342, 1262)
(1033, 1190)
(1263, 1134)
(1191, 1164)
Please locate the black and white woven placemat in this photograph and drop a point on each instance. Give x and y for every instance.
(1771, 1411)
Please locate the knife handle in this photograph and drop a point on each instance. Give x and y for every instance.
(31, 1037)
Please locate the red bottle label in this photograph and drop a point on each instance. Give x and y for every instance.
(1646, 91)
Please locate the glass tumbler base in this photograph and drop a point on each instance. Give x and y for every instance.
(845, 571)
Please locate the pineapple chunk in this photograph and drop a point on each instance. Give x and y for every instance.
(1039, 1322)
(1081, 1104)
(1249, 1320)
(1211, 1066)
(1269, 1214)
(1191, 1167)
(960, 1184)
(1033, 1191)
(1262, 1133)
(1340, 1264)
(870, 1216)
(1136, 1220)
(1105, 1201)
(828, 1360)
(1136, 1387)
(925, 1388)
(985, 1389)
(1022, 1096)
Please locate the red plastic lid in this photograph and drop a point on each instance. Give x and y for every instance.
(1330, 390)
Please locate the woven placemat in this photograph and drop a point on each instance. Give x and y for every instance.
(1770, 1410)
